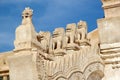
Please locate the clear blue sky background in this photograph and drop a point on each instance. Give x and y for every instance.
(48, 14)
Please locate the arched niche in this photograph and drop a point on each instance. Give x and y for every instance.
(73, 73)
(96, 75)
(76, 76)
(94, 71)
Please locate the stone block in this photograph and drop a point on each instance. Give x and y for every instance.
(22, 67)
(109, 30)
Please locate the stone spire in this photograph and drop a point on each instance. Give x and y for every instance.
(25, 33)
(27, 16)
(111, 7)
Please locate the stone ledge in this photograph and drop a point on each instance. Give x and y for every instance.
(110, 46)
(111, 5)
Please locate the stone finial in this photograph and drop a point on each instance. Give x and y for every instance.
(27, 16)
(27, 12)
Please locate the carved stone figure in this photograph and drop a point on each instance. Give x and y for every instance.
(70, 33)
(70, 37)
(57, 41)
(25, 32)
(82, 30)
(27, 16)
(58, 38)
(44, 39)
(81, 34)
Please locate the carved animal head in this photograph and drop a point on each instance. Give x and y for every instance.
(71, 27)
(27, 13)
(43, 36)
(82, 24)
(27, 16)
(58, 32)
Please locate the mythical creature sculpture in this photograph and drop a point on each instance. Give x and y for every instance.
(81, 34)
(25, 32)
(44, 39)
(70, 37)
(70, 33)
(81, 30)
(27, 16)
(57, 38)
(57, 41)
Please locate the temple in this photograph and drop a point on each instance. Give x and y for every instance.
(65, 54)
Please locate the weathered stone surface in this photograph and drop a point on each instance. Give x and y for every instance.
(22, 67)
(25, 33)
(109, 30)
(111, 8)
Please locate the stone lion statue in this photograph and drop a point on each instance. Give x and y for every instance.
(81, 30)
(70, 33)
(44, 39)
(57, 38)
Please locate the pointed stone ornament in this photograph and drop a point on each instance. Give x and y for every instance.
(25, 33)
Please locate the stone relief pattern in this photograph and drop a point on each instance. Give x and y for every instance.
(74, 76)
(41, 68)
(73, 64)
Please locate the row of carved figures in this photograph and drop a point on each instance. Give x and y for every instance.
(61, 40)
(74, 37)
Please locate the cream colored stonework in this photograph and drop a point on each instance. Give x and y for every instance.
(66, 54)
(111, 8)
(109, 36)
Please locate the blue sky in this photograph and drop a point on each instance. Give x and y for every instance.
(48, 14)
